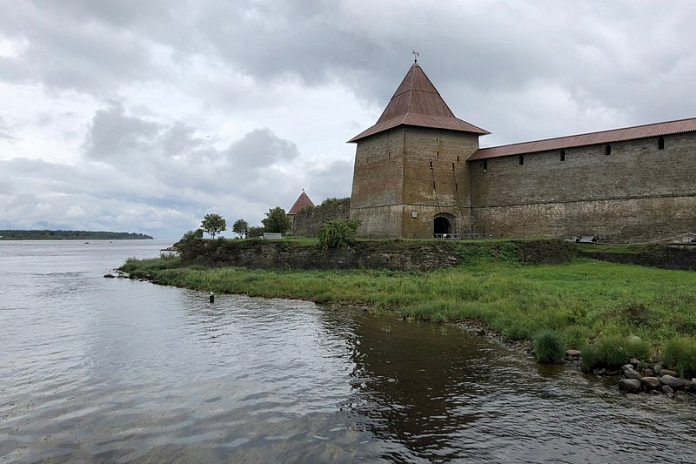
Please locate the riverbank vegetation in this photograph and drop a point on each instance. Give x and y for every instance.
(610, 311)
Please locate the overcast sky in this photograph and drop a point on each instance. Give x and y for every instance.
(143, 116)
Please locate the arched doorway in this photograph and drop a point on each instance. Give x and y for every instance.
(442, 227)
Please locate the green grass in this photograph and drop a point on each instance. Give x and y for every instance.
(584, 302)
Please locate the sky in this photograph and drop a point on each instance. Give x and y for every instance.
(143, 116)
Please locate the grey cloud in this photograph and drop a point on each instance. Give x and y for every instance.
(114, 135)
(69, 51)
(335, 180)
(143, 174)
(260, 149)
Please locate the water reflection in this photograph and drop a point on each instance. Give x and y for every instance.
(432, 393)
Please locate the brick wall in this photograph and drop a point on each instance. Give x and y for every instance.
(635, 193)
(377, 193)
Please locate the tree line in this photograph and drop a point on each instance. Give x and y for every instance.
(69, 235)
(275, 221)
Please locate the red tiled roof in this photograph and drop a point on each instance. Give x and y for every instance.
(302, 202)
(418, 103)
(594, 138)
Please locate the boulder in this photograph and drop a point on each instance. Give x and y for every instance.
(634, 361)
(672, 382)
(651, 383)
(667, 390)
(657, 368)
(630, 373)
(630, 385)
(109, 276)
(647, 372)
(668, 372)
(573, 353)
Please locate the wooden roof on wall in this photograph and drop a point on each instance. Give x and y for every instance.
(418, 103)
(593, 138)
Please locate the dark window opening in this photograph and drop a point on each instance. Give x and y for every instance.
(433, 185)
(453, 166)
(661, 143)
(485, 165)
(521, 160)
(562, 155)
(431, 165)
(437, 154)
(607, 150)
(457, 158)
(442, 226)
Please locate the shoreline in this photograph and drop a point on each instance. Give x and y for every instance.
(613, 313)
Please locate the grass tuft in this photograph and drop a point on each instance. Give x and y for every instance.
(548, 347)
(680, 354)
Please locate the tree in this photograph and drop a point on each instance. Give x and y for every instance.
(276, 220)
(241, 228)
(213, 224)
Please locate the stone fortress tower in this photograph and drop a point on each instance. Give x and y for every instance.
(419, 173)
(410, 178)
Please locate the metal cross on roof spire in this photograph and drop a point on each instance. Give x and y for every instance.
(415, 56)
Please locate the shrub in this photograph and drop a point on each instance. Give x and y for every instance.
(613, 352)
(548, 347)
(680, 354)
(338, 233)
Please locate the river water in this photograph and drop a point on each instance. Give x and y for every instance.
(96, 370)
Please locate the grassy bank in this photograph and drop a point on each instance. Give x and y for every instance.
(584, 302)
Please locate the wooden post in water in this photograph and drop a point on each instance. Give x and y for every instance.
(212, 297)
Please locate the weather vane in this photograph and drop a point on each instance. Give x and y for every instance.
(415, 56)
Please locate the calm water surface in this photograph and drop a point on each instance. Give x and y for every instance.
(96, 370)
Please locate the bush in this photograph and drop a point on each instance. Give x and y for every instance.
(338, 233)
(548, 347)
(680, 355)
(613, 352)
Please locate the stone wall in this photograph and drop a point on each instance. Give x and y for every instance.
(368, 254)
(634, 193)
(307, 222)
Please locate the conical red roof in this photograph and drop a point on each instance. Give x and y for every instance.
(418, 103)
(302, 202)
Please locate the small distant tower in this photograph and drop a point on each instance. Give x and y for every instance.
(302, 202)
(410, 178)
